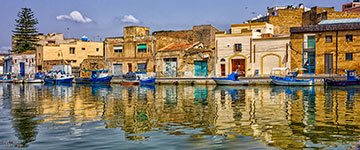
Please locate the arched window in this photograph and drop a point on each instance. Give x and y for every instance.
(222, 60)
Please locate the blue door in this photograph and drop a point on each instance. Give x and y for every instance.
(201, 68)
(22, 69)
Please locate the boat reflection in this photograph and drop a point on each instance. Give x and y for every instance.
(285, 117)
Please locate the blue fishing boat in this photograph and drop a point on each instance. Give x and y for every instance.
(290, 79)
(6, 78)
(132, 78)
(57, 77)
(97, 77)
(232, 79)
(351, 79)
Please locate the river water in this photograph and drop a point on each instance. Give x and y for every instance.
(37, 116)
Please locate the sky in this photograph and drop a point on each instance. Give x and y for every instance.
(98, 19)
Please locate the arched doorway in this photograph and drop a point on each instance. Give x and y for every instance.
(237, 63)
(268, 62)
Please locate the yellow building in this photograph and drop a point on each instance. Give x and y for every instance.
(133, 52)
(67, 54)
(331, 47)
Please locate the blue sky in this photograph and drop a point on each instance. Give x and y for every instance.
(98, 19)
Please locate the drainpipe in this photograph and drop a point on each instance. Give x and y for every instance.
(154, 56)
(337, 47)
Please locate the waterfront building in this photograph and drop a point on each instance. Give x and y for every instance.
(250, 49)
(328, 48)
(185, 60)
(24, 63)
(352, 7)
(133, 52)
(72, 53)
(186, 53)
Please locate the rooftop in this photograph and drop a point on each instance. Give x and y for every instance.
(177, 46)
(340, 21)
(326, 27)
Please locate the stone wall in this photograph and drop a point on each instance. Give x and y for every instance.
(323, 48)
(287, 18)
(28, 58)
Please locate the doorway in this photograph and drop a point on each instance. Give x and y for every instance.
(329, 63)
(238, 65)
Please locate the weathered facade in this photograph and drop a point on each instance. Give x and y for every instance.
(352, 7)
(327, 48)
(133, 52)
(92, 63)
(185, 60)
(24, 63)
(253, 52)
(282, 18)
(67, 54)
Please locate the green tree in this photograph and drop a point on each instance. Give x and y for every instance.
(25, 33)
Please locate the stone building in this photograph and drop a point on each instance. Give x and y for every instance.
(24, 63)
(282, 18)
(253, 51)
(352, 7)
(330, 47)
(133, 52)
(185, 60)
(72, 53)
(317, 14)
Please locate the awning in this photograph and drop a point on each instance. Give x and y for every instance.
(142, 46)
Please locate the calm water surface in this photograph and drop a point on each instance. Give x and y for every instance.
(178, 117)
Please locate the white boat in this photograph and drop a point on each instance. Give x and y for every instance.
(33, 80)
(232, 79)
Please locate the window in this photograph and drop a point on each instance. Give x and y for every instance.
(52, 42)
(349, 38)
(141, 48)
(72, 50)
(349, 56)
(74, 61)
(97, 49)
(26, 60)
(118, 48)
(83, 48)
(238, 47)
(328, 39)
(258, 30)
(222, 60)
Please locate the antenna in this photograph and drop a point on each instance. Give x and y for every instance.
(68, 30)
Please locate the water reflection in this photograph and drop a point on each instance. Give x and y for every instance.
(283, 117)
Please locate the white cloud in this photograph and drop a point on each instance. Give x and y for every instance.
(130, 19)
(74, 16)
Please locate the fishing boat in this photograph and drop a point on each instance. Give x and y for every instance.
(97, 76)
(130, 79)
(232, 79)
(6, 78)
(58, 77)
(351, 79)
(37, 79)
(145, 79)
(290, 78)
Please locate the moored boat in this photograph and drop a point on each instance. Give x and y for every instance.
(351, 79)
(97, 76)
(290, 79)
(57, 77)
(232, 79)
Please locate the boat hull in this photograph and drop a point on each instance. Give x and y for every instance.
(148, 81)
(56, 81)
(130, 82)
(294, 82)
(102, 80)
(225, 81)
(341, 82)
(33, 81)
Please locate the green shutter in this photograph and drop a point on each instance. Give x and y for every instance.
(142, 46)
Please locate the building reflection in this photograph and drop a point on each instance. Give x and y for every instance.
(285, 117)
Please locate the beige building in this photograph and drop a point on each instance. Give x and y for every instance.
(133, 52)
(72, 53)
(252, 52)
